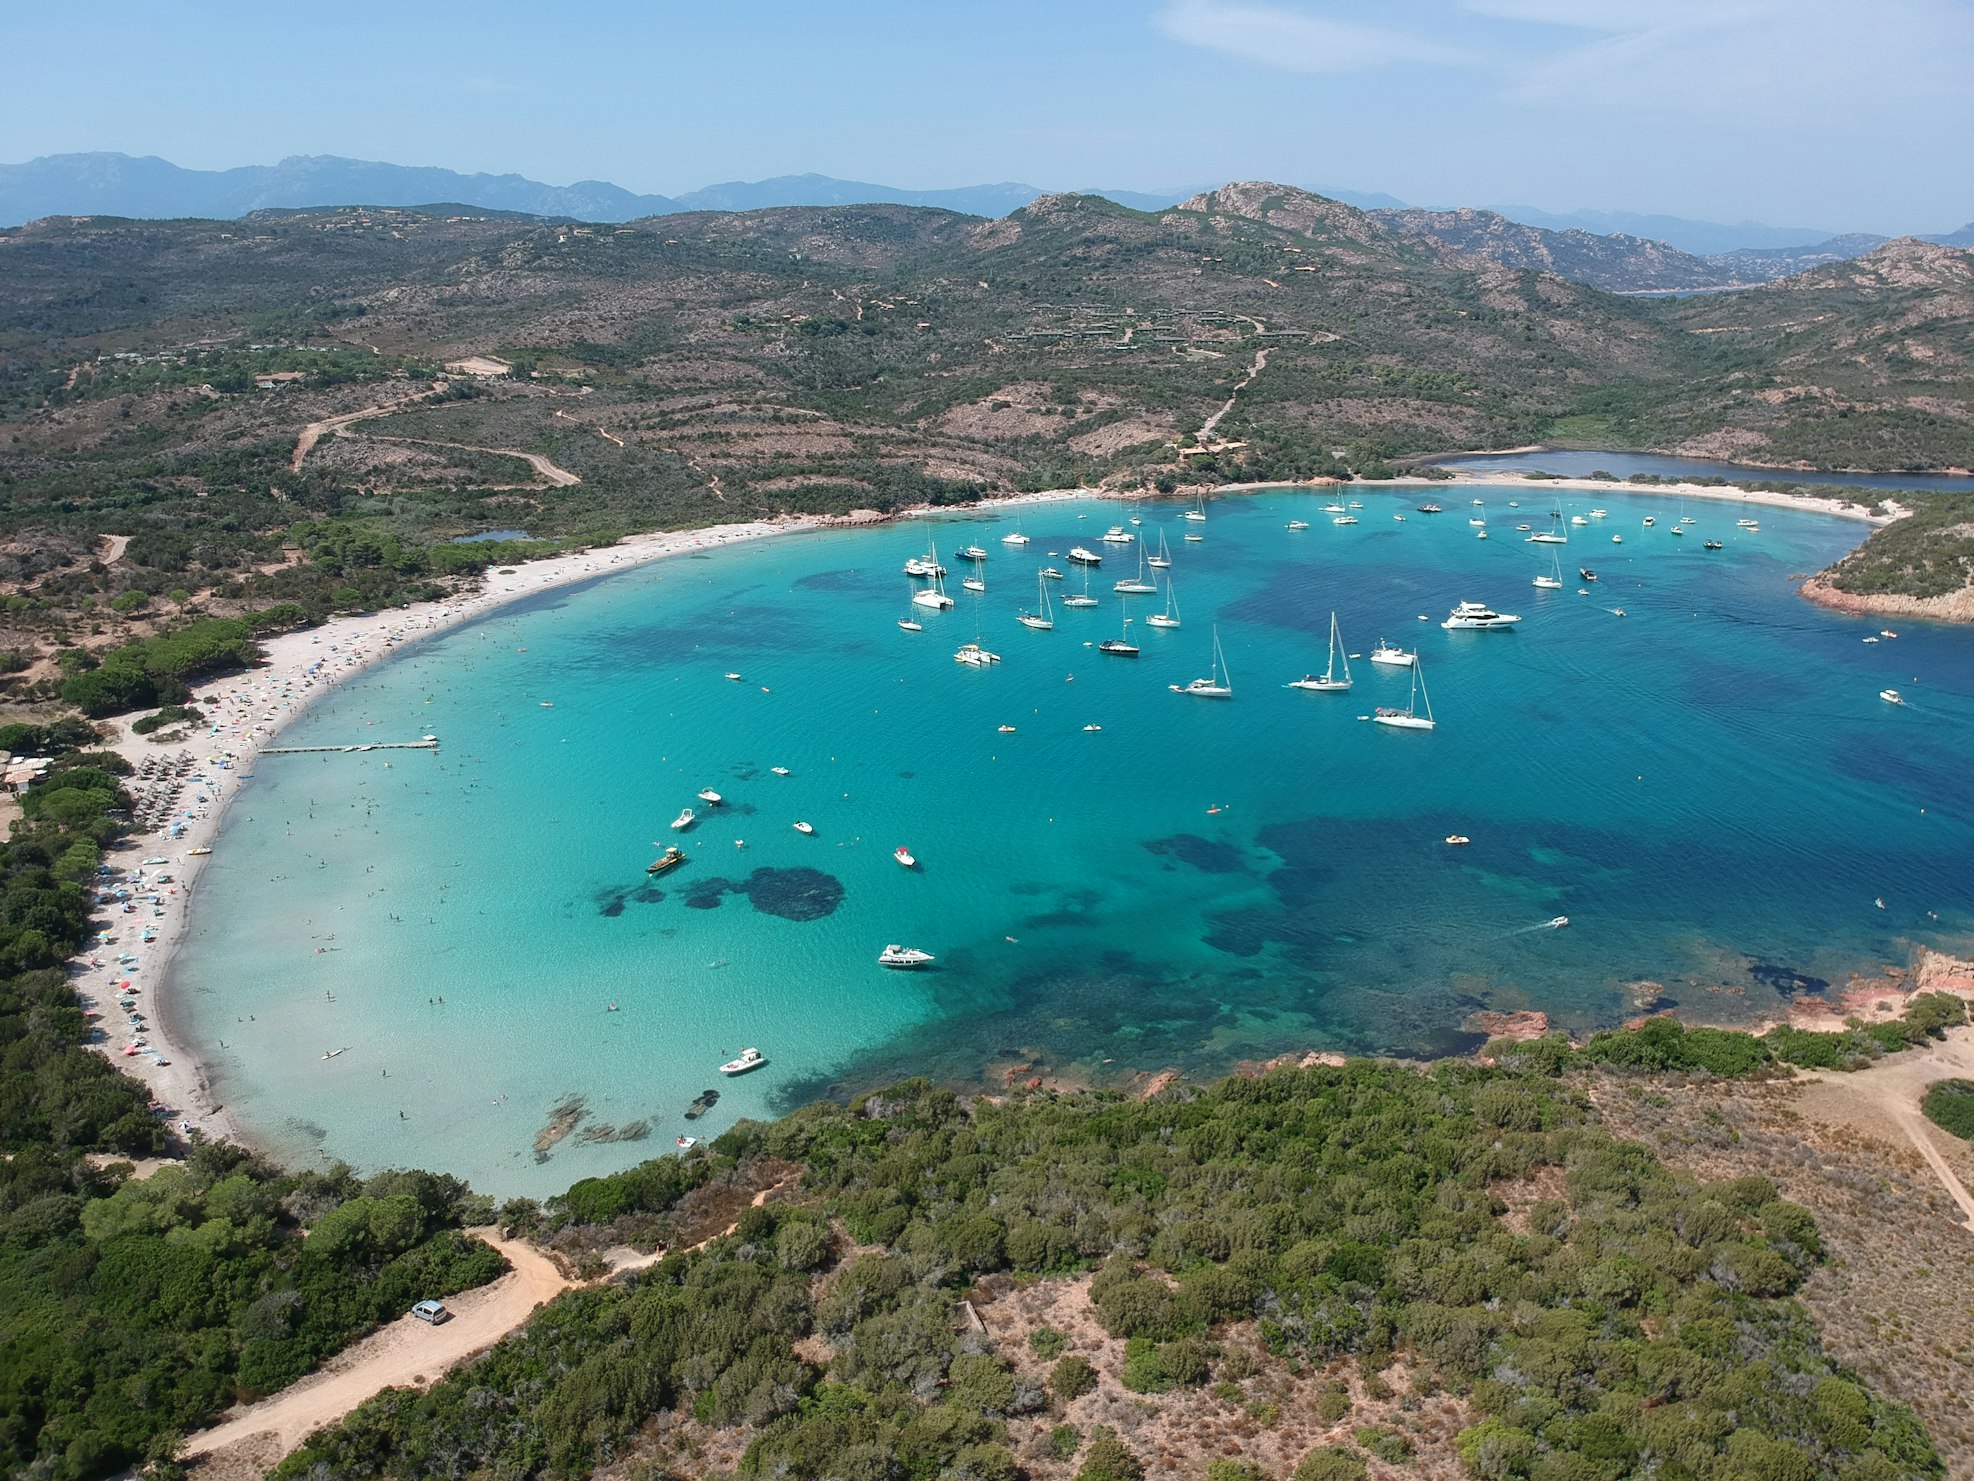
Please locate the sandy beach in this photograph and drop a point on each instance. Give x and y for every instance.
(246, 712)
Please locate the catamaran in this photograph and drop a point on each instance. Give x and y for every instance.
(933, 596)
(1163, 559)
(1170, 616)
(1014, 536)
(1219, 686)
(1409, 718)
(1043, 620)
(1117, 535)
(1328, 682)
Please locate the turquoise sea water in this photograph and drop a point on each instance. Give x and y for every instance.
(1709, 788)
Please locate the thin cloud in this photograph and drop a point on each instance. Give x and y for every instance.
(1296, 41)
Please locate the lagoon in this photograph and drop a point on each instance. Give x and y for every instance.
(1708, 787)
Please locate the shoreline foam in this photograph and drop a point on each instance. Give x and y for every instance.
(246, 712)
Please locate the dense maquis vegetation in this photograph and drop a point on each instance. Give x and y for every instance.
(1633, 1322)
(1665, 1045)
(1928, 553)
(137, 1309)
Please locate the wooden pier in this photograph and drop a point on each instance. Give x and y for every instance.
(429, 743)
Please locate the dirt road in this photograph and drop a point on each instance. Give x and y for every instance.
(1884, 1100)
(1260, 364)
(315, 431)
(558, 477)
(407, 1352)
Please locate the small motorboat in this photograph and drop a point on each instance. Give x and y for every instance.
(1558, 922)
(807, 830)
(1298, 524)
(750, 1059)
(779, 770)
(708, 796)
(904, 856)
(973, 553)
(1891, 696)
(1883, 632)
(1051, 573)
(686, 1143)
(1344, 519)
(734, 677)
(910, 626)
(1458, 840)
(1650, 521)
(686, 818)
(1617, 539)
(1005, 729)
(1430, 509)
(1715, 545)
(705, 1102)
(903, 958)
(198, 853)
(1092, 729)
(670, 859)
(1586, 573)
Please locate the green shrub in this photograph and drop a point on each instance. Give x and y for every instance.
(1143, 1372)
(1071, 1377)
(1107, 1458)
(1950, 1104)
(1331, 1463)
(1047, 1343)
(1064, 1441)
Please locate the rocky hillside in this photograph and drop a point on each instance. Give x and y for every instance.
(1617, 263)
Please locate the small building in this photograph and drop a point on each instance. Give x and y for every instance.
(268, 380)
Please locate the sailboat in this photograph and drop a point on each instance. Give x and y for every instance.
(910, 623)
(1197, 514)
(1219, 686)
(1163, 560)
(926, 565)
(1409, 718)
(1328, 681)
(933, 596)
(1082, 599)
(1170, 616)
(1044, 620)
(1121, 646)
(1553, 581)
(1554, 535)
(1139, 585)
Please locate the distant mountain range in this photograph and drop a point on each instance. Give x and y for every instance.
(1620, 251)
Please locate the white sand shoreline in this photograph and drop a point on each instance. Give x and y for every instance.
(246, 712)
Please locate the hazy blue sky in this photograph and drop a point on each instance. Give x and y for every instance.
(1851, 114)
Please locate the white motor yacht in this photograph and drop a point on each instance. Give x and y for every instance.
(750, 1059)
(1478, 615)
(1392, 656)
(903, 958)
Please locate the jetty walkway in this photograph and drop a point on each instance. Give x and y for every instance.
(429, 743)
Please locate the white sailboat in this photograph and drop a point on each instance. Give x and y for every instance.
(1121, 646)
(1328, 682)
(933, 597)
(1170, 616)
(1197, 514)
(1219, 686)
(1553, 581)
(1139, 585)
(1043, 620)
(1082, 598)
(1409, 718)
(1163, 560)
